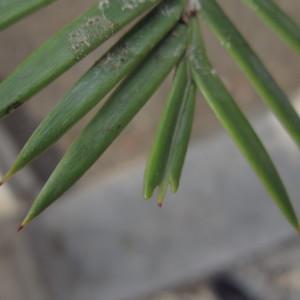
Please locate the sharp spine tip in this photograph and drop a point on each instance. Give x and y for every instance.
(5, 179)
(20, 227)
(23, 224)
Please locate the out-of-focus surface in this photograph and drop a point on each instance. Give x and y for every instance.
(272, 275)
(78, 244)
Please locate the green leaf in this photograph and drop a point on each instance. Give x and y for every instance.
(112, 118)
(13, 10)
(278, 20)
(252, 66)
(67, 47)
(180, 141)
(118, 62)
(171, 141)
(160, 150)
(229, 114)
(181, 138)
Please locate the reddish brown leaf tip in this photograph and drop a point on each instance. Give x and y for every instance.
(20, 227)
(5, 179)
(160, 204)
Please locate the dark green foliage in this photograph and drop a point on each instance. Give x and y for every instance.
(140, 61)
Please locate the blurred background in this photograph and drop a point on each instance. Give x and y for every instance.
(220, 237)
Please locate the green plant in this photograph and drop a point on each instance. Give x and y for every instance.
(167, 36)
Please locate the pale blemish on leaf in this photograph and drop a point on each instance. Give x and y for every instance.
(114, 60)
(131, 4)
(102, 4)
(85, 36)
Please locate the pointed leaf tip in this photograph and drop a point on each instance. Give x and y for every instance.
(20, 228)
(2, 181)
(5, 178)
(25, 222)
